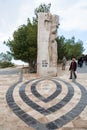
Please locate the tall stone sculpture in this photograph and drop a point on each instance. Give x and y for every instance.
(47, 46)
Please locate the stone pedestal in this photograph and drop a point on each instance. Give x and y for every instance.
(47, 46)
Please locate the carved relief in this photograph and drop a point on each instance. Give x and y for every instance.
(52, 41)
(47, 21)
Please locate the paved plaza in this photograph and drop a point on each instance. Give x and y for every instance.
(29, 102)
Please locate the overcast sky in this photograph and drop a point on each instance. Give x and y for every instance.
(72, 17)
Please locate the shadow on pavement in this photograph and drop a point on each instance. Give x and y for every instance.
(82, 69)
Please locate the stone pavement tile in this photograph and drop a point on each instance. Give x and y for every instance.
(5, 112)
(69, 128)
(83, 114)
(24, 106)
(9, 121)
(52, 102)
(80, 123)
(43, 119)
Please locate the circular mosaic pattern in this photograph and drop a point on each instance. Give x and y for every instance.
(46, 104)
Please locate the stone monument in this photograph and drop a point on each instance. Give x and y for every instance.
(47, 46)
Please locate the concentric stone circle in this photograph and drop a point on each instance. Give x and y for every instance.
(54, 105)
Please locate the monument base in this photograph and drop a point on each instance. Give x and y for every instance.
(52, 71)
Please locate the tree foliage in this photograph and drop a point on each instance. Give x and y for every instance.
(42, 8)
(5, 57)
(61, 47)
(5, 60)
(69, 47)
(24, 43)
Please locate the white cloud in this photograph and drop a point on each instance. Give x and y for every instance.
(25, 11)
(74, 17)
(3, 36)
(38, 2)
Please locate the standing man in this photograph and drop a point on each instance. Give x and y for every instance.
(64, 63)
(73, 67)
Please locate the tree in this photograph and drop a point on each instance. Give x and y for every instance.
(78, 48)
(24, 43)
(73, 49)
(61, 47)
(5, 60)
(5, 57)
(69, 48)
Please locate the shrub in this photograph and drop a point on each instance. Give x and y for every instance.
(6, 64)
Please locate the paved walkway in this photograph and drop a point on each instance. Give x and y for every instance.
(30, 102)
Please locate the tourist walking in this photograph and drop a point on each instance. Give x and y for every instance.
(64, 63)
(72, 68)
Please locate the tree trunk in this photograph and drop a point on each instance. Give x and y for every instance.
(32, 66)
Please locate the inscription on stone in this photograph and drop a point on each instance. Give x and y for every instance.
(44, 63)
